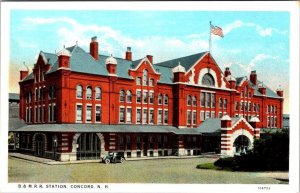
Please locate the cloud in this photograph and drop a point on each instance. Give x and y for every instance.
(260, 30)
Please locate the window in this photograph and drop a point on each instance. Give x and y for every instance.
(194, 101)
(254, 107)
(122, 115)
(138, 96)
(122, 96)
(145, 97)
(166, 114)
(36, 95)
(189, 117)
(49, 113)
(89, 93)
(249, 94)
(220, 103)
(160, 99)
(129, 96)
(202, 98)
(151, 97)
(242, 93)
(138, 115)
(151, 82)
(128, 115)
(202, 116)
(207, 115)
(194, 117)
(236, 106)
(213, 114)
(258, 106)
(138, 80)
(27, 115)
(36, 114)
(78, 112)
(242, 106)
(145, 77)
(189, 100)
(208, 80)
(144, 116)
(151, 117)
(220, 114)
(213, 100)
(98, 93)
(275, 109)
(79, 92)
(225, 103)
(208, 99)
(54, 112)
(249, 107)
(166, 99)
(43, 114)
(159, 117)
(275, 122)
(88, 113)
(98, 113)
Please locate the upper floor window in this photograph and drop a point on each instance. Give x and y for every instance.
(208, 80)
(166, 99)
(122, 96)
(151, 82)
(160, 98)
(138, 80)
(98, 93)
(189, 100)
(128, 96)
(151, 97)
(89, 93)
(51, 92)
(208, 99)
(202, 99)
(79, 92)
(145, 77)
(225, 103)
(138, 96)
(220, 103)
(213, 100)
(194, 101)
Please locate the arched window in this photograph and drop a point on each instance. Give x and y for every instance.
(208, 80)
(122, 96)
(160, 98)
(98, 93)
(194, 101)
(189, 100)
(166, 99)
(79, 91)
(128, 96)
(89, 92)
(145, 77)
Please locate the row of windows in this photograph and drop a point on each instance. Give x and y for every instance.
(191, 100)
(247, 107)
(125, 141)
(88, 113)
(89, 92)
(143, 116)
(145, 79)
(271, 122)
(40, 113)
(245, 93)
(208, 99)
(272, 109)
(148, 97)
(40, 94)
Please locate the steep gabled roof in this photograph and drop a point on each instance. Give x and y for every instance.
(187, 61)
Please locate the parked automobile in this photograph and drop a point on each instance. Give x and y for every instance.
(113, 157)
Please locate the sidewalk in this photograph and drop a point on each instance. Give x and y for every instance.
(53, 162)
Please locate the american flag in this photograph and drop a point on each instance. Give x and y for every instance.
(216, 30)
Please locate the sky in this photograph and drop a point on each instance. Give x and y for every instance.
(252, 40)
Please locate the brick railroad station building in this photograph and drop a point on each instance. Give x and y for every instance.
(79, 105)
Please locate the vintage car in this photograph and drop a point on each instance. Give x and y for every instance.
(113, 157)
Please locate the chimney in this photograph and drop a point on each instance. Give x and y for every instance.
(64, 58)
(253, 77)
(262, 89)
(227, 72)
(150, 58)
(23, 73)
(128, 55)
(179, 72)
(94, 48)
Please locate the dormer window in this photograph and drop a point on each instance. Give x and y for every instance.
(145, 77)
(208, 80)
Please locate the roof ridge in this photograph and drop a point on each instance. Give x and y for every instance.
(181, 57)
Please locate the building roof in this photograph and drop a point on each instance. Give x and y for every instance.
(187, 61)
(82, 61)
(15, 123)
(13, 96)
(107, 128)
(213, 125)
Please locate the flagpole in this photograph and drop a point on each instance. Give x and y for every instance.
(209, 43)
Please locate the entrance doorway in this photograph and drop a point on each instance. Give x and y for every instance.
(39, 145)
(241, 144)
(88, 146)
(145, 145)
